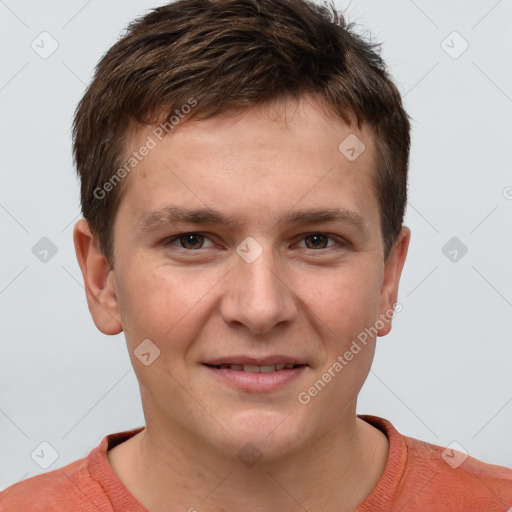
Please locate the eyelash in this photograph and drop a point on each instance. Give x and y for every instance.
(338, 240)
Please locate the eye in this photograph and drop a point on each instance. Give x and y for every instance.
(318, 241)
(188, 241)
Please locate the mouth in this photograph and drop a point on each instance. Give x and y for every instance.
(252, 368)
(256, 375)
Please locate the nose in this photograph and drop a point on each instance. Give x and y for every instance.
(258, 296)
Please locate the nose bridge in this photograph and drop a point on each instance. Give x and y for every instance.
(257, 296)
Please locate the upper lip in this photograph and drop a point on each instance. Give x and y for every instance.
(256, 361)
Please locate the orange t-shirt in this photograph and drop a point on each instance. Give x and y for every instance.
(418, 477)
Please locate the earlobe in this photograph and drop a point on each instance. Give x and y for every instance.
(392, 272)
(98, 280)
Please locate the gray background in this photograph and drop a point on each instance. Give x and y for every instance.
(442, 375)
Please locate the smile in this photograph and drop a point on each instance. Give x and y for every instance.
(248, 376)
(251, 368)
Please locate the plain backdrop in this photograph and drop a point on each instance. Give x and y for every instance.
(444, 374)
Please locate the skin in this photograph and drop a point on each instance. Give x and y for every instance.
(298, 298)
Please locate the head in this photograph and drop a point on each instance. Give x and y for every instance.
(241, 109)
(198, 57)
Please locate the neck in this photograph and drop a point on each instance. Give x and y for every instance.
(168, 473)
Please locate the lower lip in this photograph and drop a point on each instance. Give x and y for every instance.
(257, 382)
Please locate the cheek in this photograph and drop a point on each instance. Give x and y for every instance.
(345, 300)
(348, 311)
(160, 303)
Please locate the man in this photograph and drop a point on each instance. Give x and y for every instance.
(244, 168)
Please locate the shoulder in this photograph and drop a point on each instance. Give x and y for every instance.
(63, 489)
(448, 477)
(85, 485)
(422, 476)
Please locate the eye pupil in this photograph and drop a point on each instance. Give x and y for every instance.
(317, 239)
(191, 238)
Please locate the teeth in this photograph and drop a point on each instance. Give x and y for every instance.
(251, 368)
(237, 367)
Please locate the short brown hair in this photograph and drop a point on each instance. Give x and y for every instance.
(230, 55)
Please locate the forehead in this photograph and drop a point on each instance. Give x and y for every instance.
(288, 155)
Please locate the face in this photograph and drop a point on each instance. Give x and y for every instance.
(244, 243)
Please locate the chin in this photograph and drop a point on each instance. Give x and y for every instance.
(271, 435)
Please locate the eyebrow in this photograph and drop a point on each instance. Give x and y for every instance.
(170, 215)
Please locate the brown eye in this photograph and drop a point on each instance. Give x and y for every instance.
(317, 241)
(187, 241)
(192, 241)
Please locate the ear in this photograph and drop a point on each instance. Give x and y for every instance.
(98, 280)
(392, 272)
